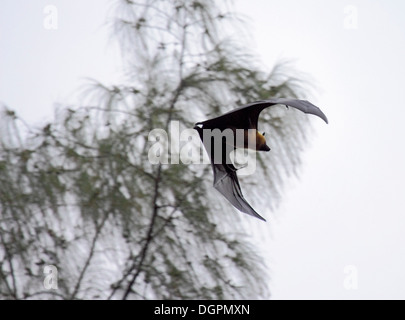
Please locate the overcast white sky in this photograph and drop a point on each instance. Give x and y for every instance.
(348, 207)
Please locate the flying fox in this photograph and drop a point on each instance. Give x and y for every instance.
(241, 122)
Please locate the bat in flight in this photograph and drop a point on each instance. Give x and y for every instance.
(238, 129)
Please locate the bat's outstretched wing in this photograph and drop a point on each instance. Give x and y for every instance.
(246, 117)
(226, 181)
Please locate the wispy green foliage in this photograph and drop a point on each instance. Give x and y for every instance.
(81, 194)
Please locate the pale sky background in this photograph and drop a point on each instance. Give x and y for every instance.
(348, 206)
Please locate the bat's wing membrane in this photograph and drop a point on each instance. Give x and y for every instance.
(225, 179)
(246, 117)
(227, 183)
(302, 105)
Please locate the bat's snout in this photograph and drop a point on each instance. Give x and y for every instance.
(265, 147)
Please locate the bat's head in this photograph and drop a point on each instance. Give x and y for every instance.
(256, 139)
(261, 142)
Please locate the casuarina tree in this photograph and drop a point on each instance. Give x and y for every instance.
(82, 194)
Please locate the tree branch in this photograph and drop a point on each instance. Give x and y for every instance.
(88, 260)
(13, 289)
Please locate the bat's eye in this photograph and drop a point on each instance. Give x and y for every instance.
(264, 133)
